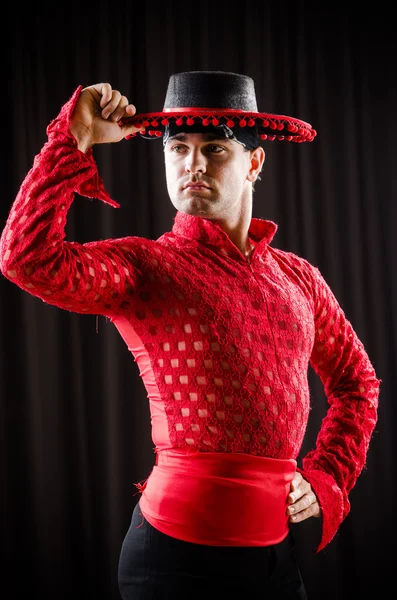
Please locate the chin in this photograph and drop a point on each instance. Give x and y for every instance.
(194, 206)
(195, 211)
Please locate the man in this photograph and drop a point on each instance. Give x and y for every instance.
(223, 327)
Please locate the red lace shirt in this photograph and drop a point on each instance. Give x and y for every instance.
(229, 340)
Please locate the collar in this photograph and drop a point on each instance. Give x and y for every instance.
(208, 232)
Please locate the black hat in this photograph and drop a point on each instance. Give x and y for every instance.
(213, 98)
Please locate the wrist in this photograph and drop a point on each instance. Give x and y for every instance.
(83, 140)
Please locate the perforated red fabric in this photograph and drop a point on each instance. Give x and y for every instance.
(230, 340)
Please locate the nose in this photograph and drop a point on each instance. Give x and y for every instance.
(195, 162)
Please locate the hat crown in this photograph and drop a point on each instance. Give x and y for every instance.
(211, 89)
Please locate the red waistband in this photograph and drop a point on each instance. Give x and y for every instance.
(219, 499)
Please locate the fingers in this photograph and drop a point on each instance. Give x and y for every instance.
(114, 105)
(296, 482)
(306, 506)
(106, 94)
(299, 486)
(312, 511)
(302, 500)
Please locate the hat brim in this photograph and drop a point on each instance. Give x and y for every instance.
(269, 126)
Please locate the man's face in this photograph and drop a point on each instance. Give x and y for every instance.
(207, 175)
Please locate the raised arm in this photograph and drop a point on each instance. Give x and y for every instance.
(94, 277)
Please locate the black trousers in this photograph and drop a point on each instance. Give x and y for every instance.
(155, 566)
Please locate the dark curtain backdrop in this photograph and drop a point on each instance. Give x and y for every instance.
(75, 419)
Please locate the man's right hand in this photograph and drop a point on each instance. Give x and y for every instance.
(96, 116)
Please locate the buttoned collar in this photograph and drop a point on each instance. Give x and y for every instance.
(209, 233)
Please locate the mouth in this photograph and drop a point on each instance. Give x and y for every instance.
(196, 186)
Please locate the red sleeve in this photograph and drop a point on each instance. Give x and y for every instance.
(96, 277)
(352, 389)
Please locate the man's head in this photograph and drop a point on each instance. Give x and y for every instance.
(212, 130)
(210, 174)
(197, 103)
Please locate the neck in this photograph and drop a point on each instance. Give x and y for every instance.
(237, 226)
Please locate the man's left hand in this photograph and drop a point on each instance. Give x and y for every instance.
(302, 501)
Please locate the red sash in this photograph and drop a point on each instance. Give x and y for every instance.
(219, 499)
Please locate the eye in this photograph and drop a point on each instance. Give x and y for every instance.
(215, 148)
(177, 148)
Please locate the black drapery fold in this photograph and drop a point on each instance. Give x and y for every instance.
(75, 417)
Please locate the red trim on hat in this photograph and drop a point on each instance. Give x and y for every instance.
(187, 111)
(296, 129)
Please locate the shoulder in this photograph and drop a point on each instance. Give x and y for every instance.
(294, 265)
(304, 273)
(307, 275)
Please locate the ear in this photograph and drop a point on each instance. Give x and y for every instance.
(257, 160)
